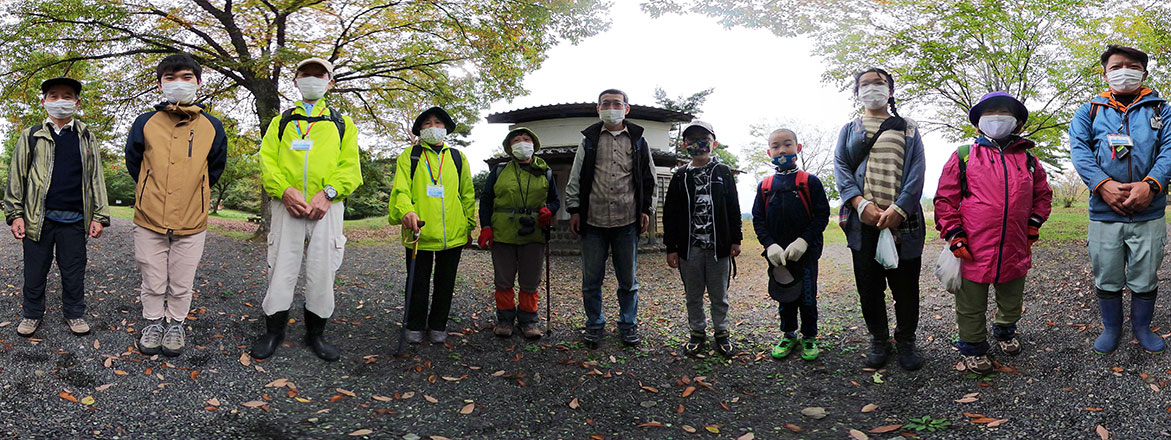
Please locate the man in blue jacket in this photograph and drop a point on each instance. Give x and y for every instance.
(1122, 151)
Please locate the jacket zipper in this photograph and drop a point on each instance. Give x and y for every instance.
(142, 188)
(202, 203)
(1004, 219)
(1129, 165)
(190, 142)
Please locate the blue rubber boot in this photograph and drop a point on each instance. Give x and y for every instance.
(1111, 307)
(1141, 310)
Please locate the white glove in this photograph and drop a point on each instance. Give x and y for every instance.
(796, 249)
(775, 254)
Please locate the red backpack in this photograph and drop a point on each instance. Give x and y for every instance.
(802, 189)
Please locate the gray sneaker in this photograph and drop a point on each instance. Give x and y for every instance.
(78, 326)
(437, 336)
(152, 337)
(27, 327)
(414, 336)
(173, 339)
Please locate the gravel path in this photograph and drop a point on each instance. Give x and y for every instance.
(482, 387)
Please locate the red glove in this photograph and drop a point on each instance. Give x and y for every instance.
(959, 247)
(545, 217)
(485, 240)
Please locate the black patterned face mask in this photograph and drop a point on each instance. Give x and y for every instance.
(699, 148)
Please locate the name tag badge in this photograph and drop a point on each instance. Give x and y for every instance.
(301, 145)
(1120, 144)
(435, 191)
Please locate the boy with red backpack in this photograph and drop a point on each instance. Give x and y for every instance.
(990, 204)
(789, 214)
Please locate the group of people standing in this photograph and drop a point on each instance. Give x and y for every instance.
(991, 202)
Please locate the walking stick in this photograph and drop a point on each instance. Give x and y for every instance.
(402, 335)
(548, 292)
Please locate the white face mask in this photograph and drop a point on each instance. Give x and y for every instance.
(61, 108)
(874, 96)
(433, 135)
(522, 150)
(997, 126)
(180, 92)
(312, 88)
(1124, 80)
(612, 116)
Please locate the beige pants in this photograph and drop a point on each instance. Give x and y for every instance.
(167, 261)
(286, 250)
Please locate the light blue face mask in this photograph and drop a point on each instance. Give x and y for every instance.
(786, 161)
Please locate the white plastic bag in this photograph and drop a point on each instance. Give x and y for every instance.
(947, 270)
(887, 254)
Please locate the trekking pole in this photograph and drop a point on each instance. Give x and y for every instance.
(402, 335)
(548, 292)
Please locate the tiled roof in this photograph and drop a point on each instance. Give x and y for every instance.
(584, 110)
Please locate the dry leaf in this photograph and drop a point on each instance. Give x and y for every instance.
(793, 427)
(885, 429)
(97, 345)
(983, 420)
(103, 387)
(651, 389)
(689, 429)
(1102, 432)
(973, 415)
(245, 359)
(747, 436)
(869, 407)
(858, 435)
(381, 398)
(87, 400)
(67, 396)
(467, 409)
(408, 395)
(574, 403)
(254, 403)
(454, 379)
(966, 400)
(714, 429)
(998, 422)
(346, 392)
(814, 412)
(213, 401)
(650, 425)
(361, 432)
(277, 383)
(120, 372)
(430, 399)
(687, 391)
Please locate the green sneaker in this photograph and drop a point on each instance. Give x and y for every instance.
(809, 349)
(785, 347)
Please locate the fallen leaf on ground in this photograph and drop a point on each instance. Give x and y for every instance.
(650, 425)
(346, 392)
(1102, 432)
(382, 398)
(245, 359)
(747, 436)
(983, 420)
(793, 427)
(430, 399)
(687, 391)
(574, 403)
(103, 387)
(87, 400)
(689, 429)
(869, 407)
(885, 429)
(966, 400)
(712, 429)
(277, 383)
(814, 412)
(647, 388)
(361, 432)
(254, 403)
(858, 435)
(97, 345)
(998, 422)
(467, 409)
(67, 396)
(213, 401)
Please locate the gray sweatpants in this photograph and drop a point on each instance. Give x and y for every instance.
(701, 270)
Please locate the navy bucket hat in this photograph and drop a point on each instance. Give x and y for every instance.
(1016, 107)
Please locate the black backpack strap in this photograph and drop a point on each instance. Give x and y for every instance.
(286, 116)
(340, 122)
(337, 119)
(416, 151)
(456, 156)
(1030, 162)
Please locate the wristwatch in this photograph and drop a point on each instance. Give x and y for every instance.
(330, 192)
(1155, 189)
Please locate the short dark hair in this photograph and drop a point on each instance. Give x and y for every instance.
(625, 99)
(177, 63)
(1125, 51)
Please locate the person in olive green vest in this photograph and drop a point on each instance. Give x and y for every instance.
(516, 207)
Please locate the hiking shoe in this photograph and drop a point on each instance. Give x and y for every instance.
(786, 346)
(173, 339)
(592, 337)
(502, 329)
(809, 349)
(414, 336)
(695, 343)
(909, 357)
(724, 344)
(978, 364)
(78, 326)
(531, 331)
(630, 336)
(1011, 347)
(437, 336)
(151, 338)
(876, 357)
(27, 327)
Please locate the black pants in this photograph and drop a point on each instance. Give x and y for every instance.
(446, 264)
(69, 241)
(806, 304)
(872, 280)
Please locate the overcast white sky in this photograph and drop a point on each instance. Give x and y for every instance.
(757, 77)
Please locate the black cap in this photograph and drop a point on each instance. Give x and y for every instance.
(61, 81)
(438, 112)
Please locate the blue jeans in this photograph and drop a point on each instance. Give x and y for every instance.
(595, 244)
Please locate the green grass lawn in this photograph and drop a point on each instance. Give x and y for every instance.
(127, 212)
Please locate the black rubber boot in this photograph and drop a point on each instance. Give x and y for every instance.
(909, 357)
(273, 336)
(314, 330)
(876, 357)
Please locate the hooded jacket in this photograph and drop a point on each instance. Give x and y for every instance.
(449, 219)
(515, 190)
(680, 202)
(29, 179)
(175, 154)
(1149, 158)
(1003, 196)
(332, 161)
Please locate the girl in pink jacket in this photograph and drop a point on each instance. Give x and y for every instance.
(991, 201)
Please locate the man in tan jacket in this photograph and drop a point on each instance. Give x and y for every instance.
(175, 154)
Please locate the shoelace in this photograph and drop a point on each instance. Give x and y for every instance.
(152, 331)
(174, 334)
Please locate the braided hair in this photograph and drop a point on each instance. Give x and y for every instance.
(890, 81)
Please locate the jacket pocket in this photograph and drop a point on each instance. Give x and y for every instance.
(339, 251)
(272, 251)
(142, 187)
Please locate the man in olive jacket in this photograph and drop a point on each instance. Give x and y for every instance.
(56, 194)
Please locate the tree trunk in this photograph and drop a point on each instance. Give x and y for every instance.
(267, 107)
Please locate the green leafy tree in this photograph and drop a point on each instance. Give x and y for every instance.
(816, 156)
(242, 167)
(392, 58)
(946, 55)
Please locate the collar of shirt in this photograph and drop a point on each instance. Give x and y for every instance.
(308, 108)
(616, 133)
(56, 129)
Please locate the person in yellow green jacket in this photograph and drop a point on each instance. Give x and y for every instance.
(432, 183)
(309, 164)
(55, 197)
(516, 205)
